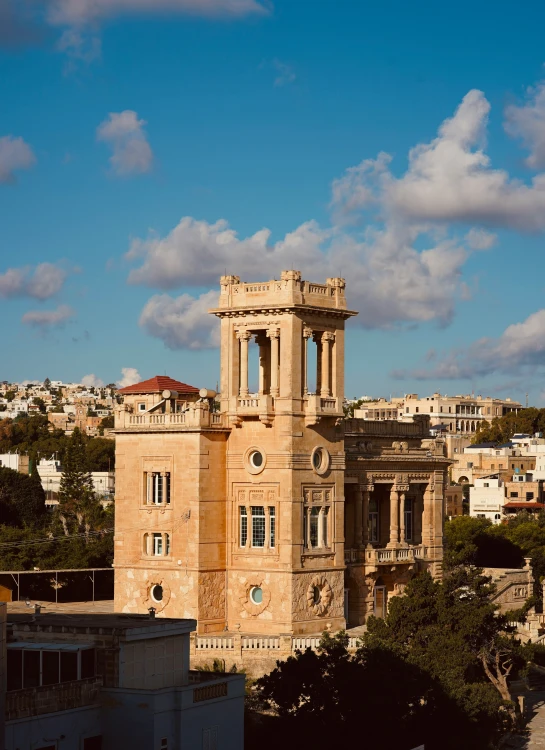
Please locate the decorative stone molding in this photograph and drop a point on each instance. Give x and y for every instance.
(149, 601)
(254, 610)
(326, 595)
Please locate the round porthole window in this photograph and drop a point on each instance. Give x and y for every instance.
(256, 594)
(316, 595)
(157, 593)
(320, 460)
(256, 459)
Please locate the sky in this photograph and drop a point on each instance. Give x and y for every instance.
(147, 146)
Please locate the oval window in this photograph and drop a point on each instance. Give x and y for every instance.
(317, 595)
(256, 595)
(157, 593)
(256, 459)
(317, 458)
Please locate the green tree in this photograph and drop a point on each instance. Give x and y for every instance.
(22, 499)
(78, 507)
(324, 699)
(40, 403)
(107, 422)
(10, 395)
(502, 429)
(451, 630)
(47, 384)
(101, 454)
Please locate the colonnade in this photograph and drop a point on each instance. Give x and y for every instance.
(399, 535)
(268, 341)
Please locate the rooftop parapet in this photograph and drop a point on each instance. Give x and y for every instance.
(290, 290)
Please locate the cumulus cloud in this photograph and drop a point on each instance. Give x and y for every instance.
(519, 348)
(130, 377)
(182, 322)
(40, 282)
(478, 239)
(451, 180)
(15, 154)
(43, 320)
(527, 122)
(91, 381)
(125, 135)
(359, 187)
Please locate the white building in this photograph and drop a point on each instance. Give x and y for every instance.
(114, 681)
(50, 471)
(14, 461)
(487, 498)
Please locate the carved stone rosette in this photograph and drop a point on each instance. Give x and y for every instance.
(321, 606)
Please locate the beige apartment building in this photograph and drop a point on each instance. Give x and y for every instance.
(271, 515)
(455, 414)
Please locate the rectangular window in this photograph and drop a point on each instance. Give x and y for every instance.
(258, 525)
(15, 669)
(417, 409)
(314, 513)
(529, 496)
(450, 409)
(50, 667)
(486, 484)
(141, 407)
(272, 527)
(87, 663)
(31, 669)
(492, 467)
(157, 487)
(408, 520)
(157, 544)
(513, 494)
(243, 521)
(325, 528)
(69, 666)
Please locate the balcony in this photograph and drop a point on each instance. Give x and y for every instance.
(316, 407)
(63, 696)
(193, 418)
(385, 556)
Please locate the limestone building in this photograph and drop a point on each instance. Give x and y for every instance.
(263, 510)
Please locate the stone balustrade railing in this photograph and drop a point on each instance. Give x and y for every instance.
(235, 642)
(158, 421)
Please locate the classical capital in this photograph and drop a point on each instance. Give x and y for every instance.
(307, 332)
(273, 333)
(328, 336)
(243, 334)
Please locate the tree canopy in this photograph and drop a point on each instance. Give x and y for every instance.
(502, 429)
(22, 499)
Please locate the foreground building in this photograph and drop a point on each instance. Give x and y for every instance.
(266, 512)
(105, 682)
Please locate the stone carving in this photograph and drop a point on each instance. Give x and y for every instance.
(319, 595)
(255, 581)
(212, 595)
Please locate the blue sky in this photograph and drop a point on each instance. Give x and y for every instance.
(262, 124)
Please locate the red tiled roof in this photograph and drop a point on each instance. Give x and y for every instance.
(528, 505)
(157, 384)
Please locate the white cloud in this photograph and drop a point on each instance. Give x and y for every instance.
(450, 179)
(359, 187)
(285, 74)
(124, 133)
(478, 239)
(91, 381)
(41, 282)
(528, 123)
(15, 154)
(46, 319)
(182, 322)
(519, 348)
(82, 12)
(130, 377)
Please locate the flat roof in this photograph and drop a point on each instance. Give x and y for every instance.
(132, 627)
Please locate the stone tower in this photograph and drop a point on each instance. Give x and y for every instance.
(236, 517)
(285, 456)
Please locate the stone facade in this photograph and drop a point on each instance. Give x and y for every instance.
(273, 515)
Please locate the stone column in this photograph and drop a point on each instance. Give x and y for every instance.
(274, 335)
(417, 518)
(402, 518)
(307, 333)
(244, 337)
(394, 517)
(321, 528)
(164, 487)
(262, 364)
(327, 338)
(427, 514)
(307, 540)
